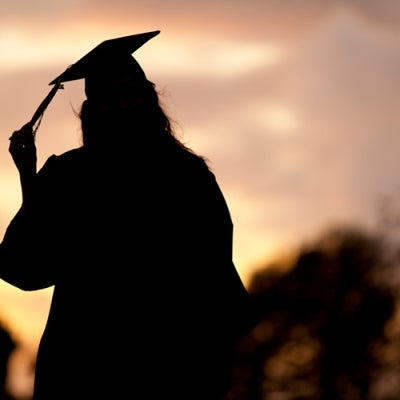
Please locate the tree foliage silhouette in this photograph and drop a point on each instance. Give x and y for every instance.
(7, 346)
(327, 326)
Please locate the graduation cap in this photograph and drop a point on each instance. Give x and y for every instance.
(111, 56)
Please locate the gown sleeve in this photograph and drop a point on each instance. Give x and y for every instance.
(25, 252)
(224, 296)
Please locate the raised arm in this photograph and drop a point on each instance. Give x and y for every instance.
(23, 151)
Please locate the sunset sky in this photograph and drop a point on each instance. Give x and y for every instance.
(295, 104)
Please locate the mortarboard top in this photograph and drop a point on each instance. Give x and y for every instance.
(108, 54)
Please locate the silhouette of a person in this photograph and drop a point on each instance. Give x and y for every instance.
(134, 234)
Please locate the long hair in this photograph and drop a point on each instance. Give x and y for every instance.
(142, 116)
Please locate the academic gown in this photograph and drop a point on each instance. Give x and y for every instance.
(147, 302)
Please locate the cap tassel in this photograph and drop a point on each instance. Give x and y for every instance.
(38, 115)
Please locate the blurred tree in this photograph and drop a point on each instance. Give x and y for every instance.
(328, 327)
(7, 346)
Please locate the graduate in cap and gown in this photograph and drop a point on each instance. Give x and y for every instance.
(133, 233)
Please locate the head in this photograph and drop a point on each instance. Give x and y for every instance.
(122, 104)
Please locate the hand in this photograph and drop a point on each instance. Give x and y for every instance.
(23, 150)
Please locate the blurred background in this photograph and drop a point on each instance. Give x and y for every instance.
(295, 105)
